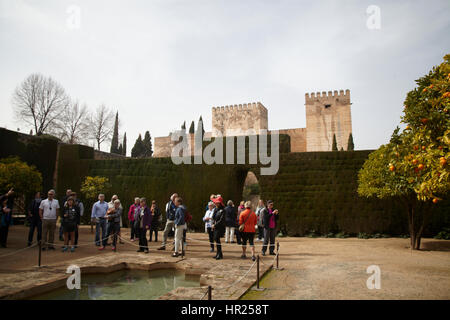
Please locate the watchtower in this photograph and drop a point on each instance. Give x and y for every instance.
(327, 114)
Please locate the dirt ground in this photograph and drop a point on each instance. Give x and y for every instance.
(314, 268)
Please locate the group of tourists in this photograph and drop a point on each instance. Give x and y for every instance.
(240, 224)
(221, 220)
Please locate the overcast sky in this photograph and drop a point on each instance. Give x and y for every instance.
(162, 62)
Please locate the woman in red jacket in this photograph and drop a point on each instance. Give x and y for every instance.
(248, 219)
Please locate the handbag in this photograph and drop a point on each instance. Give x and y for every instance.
(241, 226)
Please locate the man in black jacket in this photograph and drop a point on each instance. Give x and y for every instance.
(34, 218)
(218, 225)
(270, 218)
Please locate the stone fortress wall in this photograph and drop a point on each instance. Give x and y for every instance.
(327, 114)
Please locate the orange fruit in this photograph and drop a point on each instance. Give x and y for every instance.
(391, 168)
(443, 161)
(414, 161)
(424, 120)
(435, 200)
(420, 166)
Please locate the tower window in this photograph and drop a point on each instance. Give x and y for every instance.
(327, 106)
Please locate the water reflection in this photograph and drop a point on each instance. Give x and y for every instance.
(124, 285)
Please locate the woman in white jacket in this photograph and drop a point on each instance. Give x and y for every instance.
(207, 219)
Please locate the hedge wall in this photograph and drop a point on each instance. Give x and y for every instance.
(37, 151)
(314, 191)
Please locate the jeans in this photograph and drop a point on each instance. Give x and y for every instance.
(48, 232)
(260, 232)
(101, 223)
(35, 224)
(269, 234)
(211, 237)
(133, 233)
(169, 225)
(113, 229)
(154, 229)
(238, 236)
(229, 234)
(143, 243)
(179, 231)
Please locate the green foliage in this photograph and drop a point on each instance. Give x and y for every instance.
(124, 144)
(115, 137)
(192, 127)
(93, 186)
(147, 144)
(17, 174)
(138, 148)
(350, 144)
(249, 190)
(334, 146)
(444, 234)
(200, 125)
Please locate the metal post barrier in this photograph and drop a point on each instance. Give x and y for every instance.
(257, 272)
(209, 293)
(40, 251)
(277, 267)
(278, 250)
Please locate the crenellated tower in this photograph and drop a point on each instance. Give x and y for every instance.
(235, 120)
(327, 114)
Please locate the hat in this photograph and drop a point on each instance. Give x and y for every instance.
(218, 200)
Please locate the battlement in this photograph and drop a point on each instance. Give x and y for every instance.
(312, 97)
(240, 107)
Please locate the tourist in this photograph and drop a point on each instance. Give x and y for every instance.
(218, 225)
(63, 203)
(99, 210)
(131, 214)
(207, 219)
(170, 223)
(34, 218)
(69, 219)
(180, 225)
(5, 220)
(113, 216)
(156, 219)
(247, 222)
(110, 206)
(270, 227)
(259, 214)
(211, 197)
(143, 222)
(48, 211)
(238, 233)
(80, 206)
(230, 221)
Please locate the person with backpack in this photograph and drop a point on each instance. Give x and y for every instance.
(230, 221)
(208, 219)
(270, 219)
(81, 211)
(180, 226)
(247, 222)
(69, 218)
(143, 221)
(170, 223)
(218, 225)
(260, 214)
(131, 215)
(35, 219)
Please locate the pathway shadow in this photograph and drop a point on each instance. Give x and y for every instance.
(441, 245)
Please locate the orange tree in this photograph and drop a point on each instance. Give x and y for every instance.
(413, 166)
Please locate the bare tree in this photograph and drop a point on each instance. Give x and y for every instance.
(101, 125)
(74, 125)
(38, 101)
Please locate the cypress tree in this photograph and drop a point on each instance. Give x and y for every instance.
(147, 145)
(350, 144)
(120, 149)
(183, 126)
(138, 148)
(124, 144)
(200, 125)
(115, 137)
(334, 147)
(192, 127)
